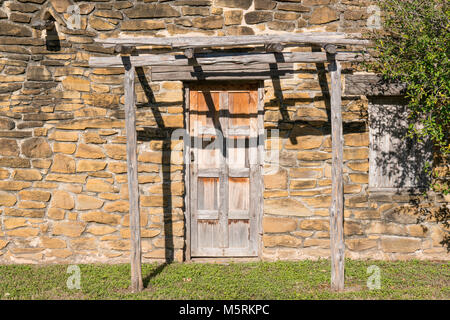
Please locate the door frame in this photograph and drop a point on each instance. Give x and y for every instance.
(259, 179)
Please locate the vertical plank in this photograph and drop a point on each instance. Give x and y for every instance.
(187, 163)
(258, 180)
(337, 193)
(133, 187)
(224, 171)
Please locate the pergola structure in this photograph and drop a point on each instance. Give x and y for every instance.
(196, 63)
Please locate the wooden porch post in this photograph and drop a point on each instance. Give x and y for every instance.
(133, 186)
(337, 190)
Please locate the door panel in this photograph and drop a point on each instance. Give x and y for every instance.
(223, 170)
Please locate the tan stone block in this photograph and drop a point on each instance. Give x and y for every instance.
(101, 217)
(361, 244)
(23, 232)
(366, 214)
(117, 206)
(66, 148)
(116, 152)
(35, 195)
(83, 244)
(159, 201)
(356, 154)
(27, 174)
(76, 84)
(65, 136)
(276, 181)
(305, 173)
(100, 230)
(63, 164)
(52, 243)
(156, 254)
(323, 15)
(56, 214)
(173, 121)
(89, 151)
(117, 167)
(359, 177)
(3, 244)
(277, 224)
(85, 202)
(98, 185)
(305, 142)
(402, 245)
(109, 196)
(93, 137)
(352, 228)
(143, 219)
(14, 185)
(356, 139)
(154, 157)
(41, 163)
(32, 213)
(7, 199)
(4, 174)
(12, 223)
(276, 194)
(285, 207)
(63, 200)
(322, 243)
(313, 155)
(315, 224)
(178, 228)
(90, 165)
(59, 253)
(417, 230)
(71, 178)
(358, 166)
(302, 184)
(281, 240)
(31, 205)
(120, 245)
(318, 202)
(138, 25)
(145, 233)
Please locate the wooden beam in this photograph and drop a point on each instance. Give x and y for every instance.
(337, 188)
(133, 186)
(320, 38)
(224, 58)
(274, 47)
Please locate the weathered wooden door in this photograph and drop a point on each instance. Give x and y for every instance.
(224, 170)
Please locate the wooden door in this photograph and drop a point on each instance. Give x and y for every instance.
(224, 170)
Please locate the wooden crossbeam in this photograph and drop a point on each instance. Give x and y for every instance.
(223, 58)
(320, 38)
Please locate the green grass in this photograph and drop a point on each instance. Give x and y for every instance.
(257, 280)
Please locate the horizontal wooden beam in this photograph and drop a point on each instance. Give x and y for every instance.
(320, 38)
(223, 58)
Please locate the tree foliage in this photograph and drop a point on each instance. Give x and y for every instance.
(412, 47)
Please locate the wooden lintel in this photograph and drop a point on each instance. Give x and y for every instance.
(320, 38)
(337, 245)
(132, 170)
(223, 58)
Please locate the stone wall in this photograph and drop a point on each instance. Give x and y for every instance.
(63, 188)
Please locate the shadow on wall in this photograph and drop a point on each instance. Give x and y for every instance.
(161, 133)
(398, 160)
